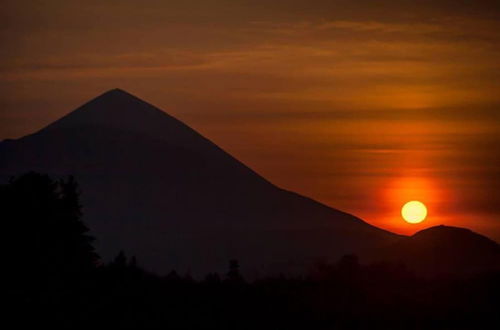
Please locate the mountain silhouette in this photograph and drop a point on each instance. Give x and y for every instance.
(446, 250)
(154, 187)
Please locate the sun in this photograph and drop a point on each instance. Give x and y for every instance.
(414, 212)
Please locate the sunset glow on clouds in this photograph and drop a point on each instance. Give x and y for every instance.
(361, 110)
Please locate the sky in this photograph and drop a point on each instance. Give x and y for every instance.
(362, 105)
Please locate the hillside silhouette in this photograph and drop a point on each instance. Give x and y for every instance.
(443, 250)
(55, 279)
(159, 190)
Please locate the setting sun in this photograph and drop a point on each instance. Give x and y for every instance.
(414, 212)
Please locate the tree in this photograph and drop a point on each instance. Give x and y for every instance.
(233, 275)
(120, 262)
(46, 239)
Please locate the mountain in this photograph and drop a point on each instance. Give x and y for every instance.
(157, 189)
(445, 250)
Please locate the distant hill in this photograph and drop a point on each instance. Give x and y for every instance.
(157, 189)
(444, 250)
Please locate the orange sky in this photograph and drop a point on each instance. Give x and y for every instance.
(362, 105)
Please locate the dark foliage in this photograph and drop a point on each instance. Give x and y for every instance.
(54, 281)
(47, 250)
(336, 296)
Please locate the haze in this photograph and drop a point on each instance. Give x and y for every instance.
(363, 106)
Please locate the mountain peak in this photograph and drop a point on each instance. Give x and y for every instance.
(445, 250)
(116, 99)
(157, 188)
(116, 92)
(119, 109)
(444, 232)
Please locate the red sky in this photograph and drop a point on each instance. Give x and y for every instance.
(362, 105)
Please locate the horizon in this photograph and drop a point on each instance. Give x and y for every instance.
(360, 106)
(109, 93)
(251, 164)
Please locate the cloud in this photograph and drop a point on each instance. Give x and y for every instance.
(334, 99)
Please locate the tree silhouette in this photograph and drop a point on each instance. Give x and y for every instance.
(45, 236)
(120, 261)
(233, 275)
(48, 255)
(172, 277)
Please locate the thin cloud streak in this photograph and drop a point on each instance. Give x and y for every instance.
(323, 98)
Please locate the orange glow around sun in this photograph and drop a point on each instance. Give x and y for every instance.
(408, 199)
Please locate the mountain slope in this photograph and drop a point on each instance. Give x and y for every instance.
(443, 250)
(159, 190)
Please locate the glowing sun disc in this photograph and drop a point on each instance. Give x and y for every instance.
(414, 212)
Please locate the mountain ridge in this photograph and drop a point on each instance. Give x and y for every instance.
(156, 188)
(445, 250)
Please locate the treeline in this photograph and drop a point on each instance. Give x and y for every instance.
(55, 278)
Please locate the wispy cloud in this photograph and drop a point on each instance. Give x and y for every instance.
(350, 95)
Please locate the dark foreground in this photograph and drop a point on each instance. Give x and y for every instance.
(54, 278)
(342, 296)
